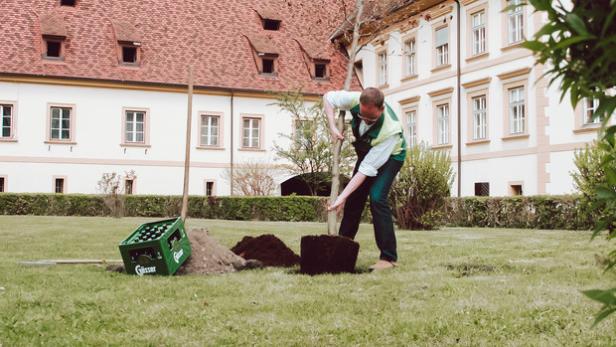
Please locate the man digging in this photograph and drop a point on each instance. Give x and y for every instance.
(380, 147)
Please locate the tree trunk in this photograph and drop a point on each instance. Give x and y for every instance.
(331, 216)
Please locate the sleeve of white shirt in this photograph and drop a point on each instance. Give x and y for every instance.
(377, 156)
(343, 100)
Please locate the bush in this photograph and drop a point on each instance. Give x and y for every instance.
(421, 189)
(536, 212)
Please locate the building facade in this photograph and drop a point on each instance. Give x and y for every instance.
(516, 135)
(88, 88)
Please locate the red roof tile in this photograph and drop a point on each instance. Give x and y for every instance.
(125, 31)
(53, 25)
(262, 44)
(206, 33)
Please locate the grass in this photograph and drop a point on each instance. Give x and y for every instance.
(491, 287)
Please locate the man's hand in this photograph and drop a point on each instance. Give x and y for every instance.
(336, 134)
(338, 205)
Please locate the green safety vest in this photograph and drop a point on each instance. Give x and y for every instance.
(387, 125)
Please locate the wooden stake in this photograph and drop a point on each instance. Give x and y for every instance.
(332, 218)
(187, 155)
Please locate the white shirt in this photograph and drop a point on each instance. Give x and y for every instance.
(379, 154)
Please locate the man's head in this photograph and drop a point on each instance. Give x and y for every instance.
(371, 105)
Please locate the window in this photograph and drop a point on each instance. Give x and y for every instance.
(129, 54)
(442, 124)
(382, 68)
(250, 132)
(482, 189)
(67, 3)
(320, 70)
(589, 108)
(53, 48)
(60, 129)
(515, 22)
(2, 184)
(480, 119)
(129, 186)
(409, 48)
(209, 188)
(210, 130)
(59, 185)
(515, 189)
(412, 124)
(268, 65)
(479, 32)
(517, 115)
(271, 24)
(134, 127)
(442, 46)
(6, 112)
(359, 70)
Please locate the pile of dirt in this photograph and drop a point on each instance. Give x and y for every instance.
(209, 257)
(268, 249)
(328, 254)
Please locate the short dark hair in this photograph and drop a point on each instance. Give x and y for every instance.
(372, 96)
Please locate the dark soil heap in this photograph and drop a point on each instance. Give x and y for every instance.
(328, 254)
(268, 249)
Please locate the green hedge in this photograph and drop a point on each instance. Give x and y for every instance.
(538, 212)
(288, 208)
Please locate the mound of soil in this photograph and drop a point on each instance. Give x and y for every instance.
(209, 257)
(328, 254)
(268, 249)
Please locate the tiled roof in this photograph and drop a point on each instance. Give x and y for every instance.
(210, 34)
(263, 44)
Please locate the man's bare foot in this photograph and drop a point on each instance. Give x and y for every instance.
(383, 265)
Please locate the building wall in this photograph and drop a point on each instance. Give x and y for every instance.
(30, 163)
(542, 160)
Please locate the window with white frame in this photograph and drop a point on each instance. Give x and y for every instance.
(382, 68)
(589, 108)
(478, 20)
(60, 123)
(442, 46)
(480, 118)
(210, 130)
(412, 124)
(129, 186)
(251, 128)
(409, 47)
(6, 111)
(58, 185)
(517, 113)
(209, 188)
(135, 127)
(515, 22)
(442, 124)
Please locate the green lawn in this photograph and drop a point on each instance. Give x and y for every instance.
(489, 287)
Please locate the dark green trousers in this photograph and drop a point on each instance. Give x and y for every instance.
(378, 189)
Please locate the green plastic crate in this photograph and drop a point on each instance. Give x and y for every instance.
(157, 248)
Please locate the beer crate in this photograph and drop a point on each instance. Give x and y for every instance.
(157, 248)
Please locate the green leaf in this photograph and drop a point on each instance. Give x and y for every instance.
(611, 176)
(604, 313)
(577, 24)
(609, 19)
(573, 40)
(533, 45)
(604, 193)
(541, 5)
(605, 297)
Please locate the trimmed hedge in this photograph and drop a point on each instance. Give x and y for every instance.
(535, 212)
(538, 212)
(287, 208)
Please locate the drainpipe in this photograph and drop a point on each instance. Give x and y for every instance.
(458, 97)
(232, 147)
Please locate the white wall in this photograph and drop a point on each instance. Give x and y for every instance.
(30, 163)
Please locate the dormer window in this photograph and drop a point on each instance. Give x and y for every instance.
(315, 58)
(320, 70)
(268, 65)
(129, 42)
(129, 54)
(270, 24)
(53, 48)
(67, 3)
(265, 53)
